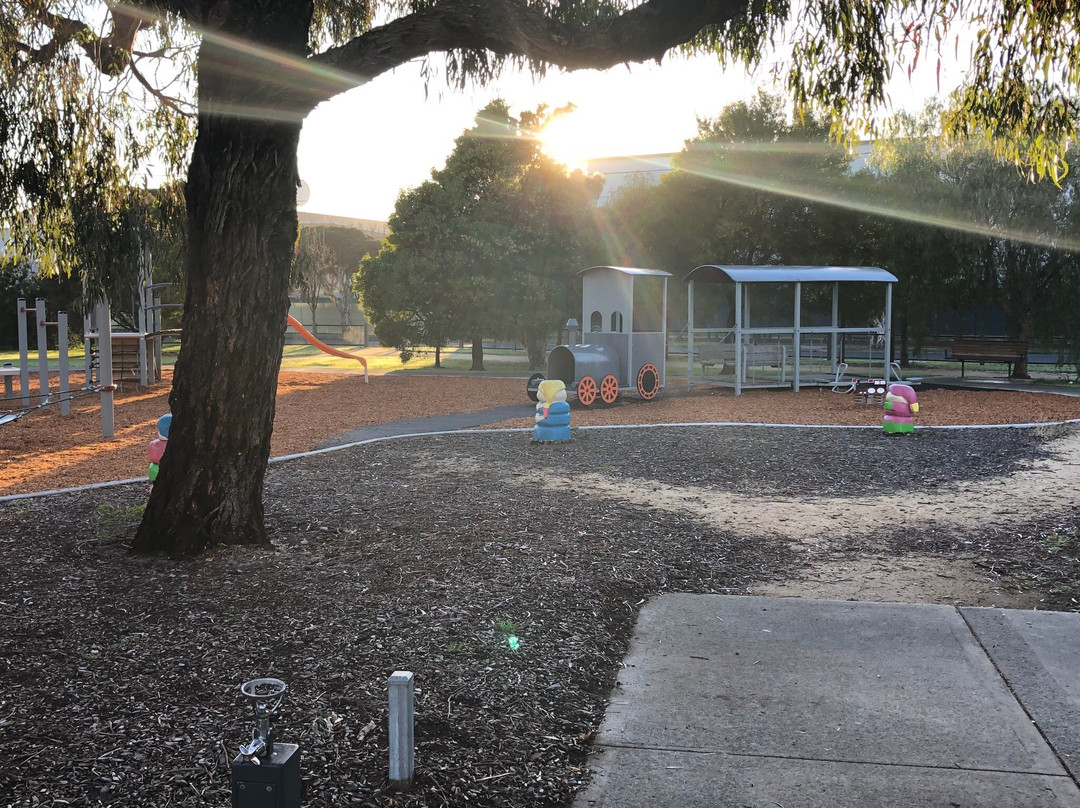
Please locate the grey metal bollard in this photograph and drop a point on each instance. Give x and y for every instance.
(402, 765)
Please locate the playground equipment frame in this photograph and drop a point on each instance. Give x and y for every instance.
(44, 386)
(743, 341)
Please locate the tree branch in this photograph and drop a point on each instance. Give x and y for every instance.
(509, 28)
(110, 55)
(175, 104)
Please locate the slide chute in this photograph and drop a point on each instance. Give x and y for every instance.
(322, 346)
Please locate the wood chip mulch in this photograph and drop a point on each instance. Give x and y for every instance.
(119, 674)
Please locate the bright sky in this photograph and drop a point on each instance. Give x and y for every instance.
(359, 150)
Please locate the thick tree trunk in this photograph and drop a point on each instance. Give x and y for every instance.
(477, 352)
(438, 357)
(1020, 369)
(241, 202)
(534, 348)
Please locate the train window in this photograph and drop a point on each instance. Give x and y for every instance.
(616, 321)
(596, 321)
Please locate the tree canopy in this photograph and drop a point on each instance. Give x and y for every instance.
(90, 91)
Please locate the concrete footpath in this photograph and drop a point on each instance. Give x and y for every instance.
(749, 701)
(435, 423)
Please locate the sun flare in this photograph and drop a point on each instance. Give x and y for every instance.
(570, 139)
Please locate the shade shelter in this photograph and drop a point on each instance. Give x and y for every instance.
(786, 326)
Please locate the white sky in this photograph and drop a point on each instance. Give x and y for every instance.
(359, 150)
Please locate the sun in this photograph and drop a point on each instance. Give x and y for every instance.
(569, 139)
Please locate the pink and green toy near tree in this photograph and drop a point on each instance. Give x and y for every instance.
(901, 403)
(157, 447)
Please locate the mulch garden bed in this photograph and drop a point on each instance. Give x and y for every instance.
(119, 673)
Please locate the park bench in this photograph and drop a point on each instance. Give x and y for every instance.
(722, 354)
(712, 354)
(988, 350)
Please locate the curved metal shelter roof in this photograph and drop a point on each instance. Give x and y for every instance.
(788, 274)
(629, 271)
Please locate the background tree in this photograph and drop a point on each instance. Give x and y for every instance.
(406, 309)
(907, 204)
(313, 267)
(349, 247)
(486, 247)
(68, 77)
(1021, 256)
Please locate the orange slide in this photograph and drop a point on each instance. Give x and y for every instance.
(322, 346)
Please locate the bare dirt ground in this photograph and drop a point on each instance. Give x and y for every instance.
(118, 673)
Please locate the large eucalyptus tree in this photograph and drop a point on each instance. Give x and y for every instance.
(72, 128)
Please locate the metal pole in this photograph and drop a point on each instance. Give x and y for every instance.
(65, 386)
(835, 325)
(156, 325)
(105, 374)
(401, 729)
(43, 352)
(663, 329)
(143, 359)
(690, 332)
(888, 331)
(798, 332)
(24, 355)
(152, 359)
(88, 362)
(738, 339)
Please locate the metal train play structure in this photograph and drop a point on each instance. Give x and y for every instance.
(624, 310)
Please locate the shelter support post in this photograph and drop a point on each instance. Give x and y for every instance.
(797, 334)
(833, 339)
(689, 331)
(739, 370)
(888, 331)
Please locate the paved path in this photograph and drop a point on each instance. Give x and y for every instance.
(437, 423)
(746, 701)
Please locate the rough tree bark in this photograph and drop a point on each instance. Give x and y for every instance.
(241, 202)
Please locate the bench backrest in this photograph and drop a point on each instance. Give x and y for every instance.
(990, 348)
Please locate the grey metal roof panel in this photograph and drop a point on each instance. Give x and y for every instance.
(790, 274)
(629, 271)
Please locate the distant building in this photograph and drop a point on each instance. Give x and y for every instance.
(370, 227)
(649, 168)
(862, 153)
(619, 171)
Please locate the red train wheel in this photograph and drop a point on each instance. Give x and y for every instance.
(609, 389)
(586, 391)
(648, 381)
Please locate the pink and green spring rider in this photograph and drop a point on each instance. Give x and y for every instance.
(157, 447)
(901, 403)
